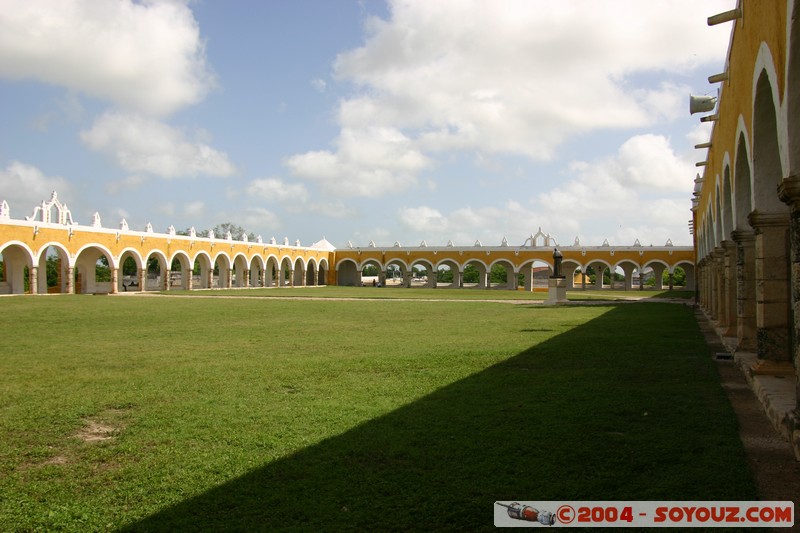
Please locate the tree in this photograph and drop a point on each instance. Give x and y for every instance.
(129, 267)
(498, 274)
(471, 274)
(370, 270)
(444, 275)
(591, 275)
(221, 231)
(52, 264)
(678, 277)
(102, 272)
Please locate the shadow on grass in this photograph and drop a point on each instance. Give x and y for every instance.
(625, 407)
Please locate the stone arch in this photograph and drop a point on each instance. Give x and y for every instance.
(240, 271)
(689, 269)
(61, 265)
(770, 220)
(455, 271)
(271, 276)
(221, 273)
(727, 201)
(155, 269)
(535, 274)
(511, 282)
(131, 269)
(628, 267)
(311, 272)
(182, 276)
(476, 272)
(429, 280)
(348, 273)
(569, 269)
(205, 267)
(659, 267)
(285, 267)
(17, 259)
(86, 259)
(299, 272)
(322, 272)
(256, 268)
(370, 279)
(599, 266)
(398, 273)
(767, 165)
(742, 181)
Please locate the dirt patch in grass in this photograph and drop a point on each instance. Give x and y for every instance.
(95, 431)
(104, 426)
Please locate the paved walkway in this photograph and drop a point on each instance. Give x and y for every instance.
(761, 404)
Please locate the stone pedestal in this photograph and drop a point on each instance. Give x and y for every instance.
(556, 291)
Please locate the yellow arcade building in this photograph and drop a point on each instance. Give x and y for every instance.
(746, 206)
(147, 260)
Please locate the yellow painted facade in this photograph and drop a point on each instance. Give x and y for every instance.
(758, 41)
(192, 262)
(747, 202)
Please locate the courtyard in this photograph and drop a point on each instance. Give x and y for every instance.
(172, 413)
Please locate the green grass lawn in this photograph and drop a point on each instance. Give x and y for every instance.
(419, 293)
(174, 414)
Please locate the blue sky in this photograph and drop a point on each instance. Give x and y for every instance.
(361, 120)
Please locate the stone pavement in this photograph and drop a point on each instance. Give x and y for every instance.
(773, 386)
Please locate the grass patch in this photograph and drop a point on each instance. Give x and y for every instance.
(269, 414)
(418, 293)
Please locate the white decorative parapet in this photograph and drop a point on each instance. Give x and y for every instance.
(5, 212)
(171, 230)
(96, 220)
(123, 225)
(43, 212)
(148, 228)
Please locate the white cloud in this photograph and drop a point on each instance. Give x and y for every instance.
(370, 161)
(644, 162)
(261, 219)
(319, 84)
(519, 77)
(467, 224)
(638, 193)
(167, 208)
(273, 189)
(332, 209)
(129, 183)
(141, 144)
(194, 208)
(619, 191)
(145, 56)
(25, 186)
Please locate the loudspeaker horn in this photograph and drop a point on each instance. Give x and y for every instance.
(701, 104)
